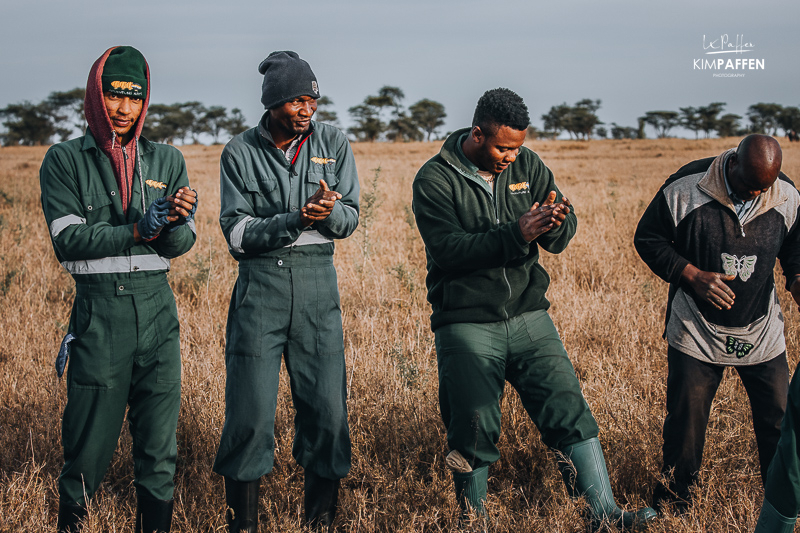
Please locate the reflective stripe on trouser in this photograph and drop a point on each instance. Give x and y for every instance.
(126, 352)
(285, 305)
(475, 361)
(783, 476)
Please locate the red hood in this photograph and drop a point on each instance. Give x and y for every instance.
(95, 107)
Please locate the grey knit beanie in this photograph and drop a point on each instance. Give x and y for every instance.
(286, 77)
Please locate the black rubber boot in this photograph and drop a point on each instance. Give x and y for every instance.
(242, 500)
(321, 495)
(153, 515)
(69, 517)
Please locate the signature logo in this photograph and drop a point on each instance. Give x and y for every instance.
(727, 44)
(724, 44)
(323, 160)
(156, 184)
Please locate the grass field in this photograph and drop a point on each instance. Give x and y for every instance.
(607, 306)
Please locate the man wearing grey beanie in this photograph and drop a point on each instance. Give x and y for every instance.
(288, 188)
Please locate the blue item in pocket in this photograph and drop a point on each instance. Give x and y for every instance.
(63, 354)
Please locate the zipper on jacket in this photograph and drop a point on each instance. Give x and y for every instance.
(125, 162)
(497, 218)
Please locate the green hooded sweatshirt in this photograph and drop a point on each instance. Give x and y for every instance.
(480, 268)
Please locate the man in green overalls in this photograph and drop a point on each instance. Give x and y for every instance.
(118, 208)
(484, 206)
(288, 188)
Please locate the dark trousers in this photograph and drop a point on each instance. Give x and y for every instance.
(783, 480)
(691, 387)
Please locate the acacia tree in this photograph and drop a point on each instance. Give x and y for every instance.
(691, 120)
(67, 109)
(708, 116)
(324, 113)
(235, 123)
(368, 125)
(28, 124)
(728, 125)
(764, 118)
(428, 115)
(555, 119)
(662, 121)
(789, 119)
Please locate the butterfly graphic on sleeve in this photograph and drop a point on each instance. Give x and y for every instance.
(733, 346)
(743, 266)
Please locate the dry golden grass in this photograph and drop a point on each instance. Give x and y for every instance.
(606, 303)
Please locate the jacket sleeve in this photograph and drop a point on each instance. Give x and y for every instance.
(789, 254)
(555, 240)
(343, 219)
(655, 241)
(243, 229)
(74, 238)
(449, 245)
(171, 244)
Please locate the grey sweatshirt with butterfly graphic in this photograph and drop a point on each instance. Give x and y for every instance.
(692, 220)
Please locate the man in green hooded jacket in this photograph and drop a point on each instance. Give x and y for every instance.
(118, 208)
(484, 206)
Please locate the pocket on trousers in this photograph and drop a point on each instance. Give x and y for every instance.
(168, 369)
(90, 352)
(244, 331)
(330, 337)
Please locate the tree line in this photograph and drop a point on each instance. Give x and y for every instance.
(382, 117)
(60, 114)
(580, 121)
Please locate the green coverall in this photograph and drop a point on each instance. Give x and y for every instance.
(285, 302)
(127, 345)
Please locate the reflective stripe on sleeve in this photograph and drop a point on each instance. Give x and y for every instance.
(110, 265)
(237, 234)
(310, 237)
(60, 224)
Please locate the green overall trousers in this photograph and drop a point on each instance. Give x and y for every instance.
(285, 305)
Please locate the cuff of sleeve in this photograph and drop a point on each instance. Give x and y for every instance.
(680, 266)
(517, 233)
(334, 217)
(293, 223)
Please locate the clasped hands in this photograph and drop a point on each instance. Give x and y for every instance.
(542, 218)
(319, 205)
(175, 209)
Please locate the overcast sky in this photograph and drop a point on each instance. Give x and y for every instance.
(634, 55)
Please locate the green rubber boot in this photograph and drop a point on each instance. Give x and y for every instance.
(471, 490)
(771, 521)
(584, 472)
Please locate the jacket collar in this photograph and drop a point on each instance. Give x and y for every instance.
(90, 143)
(713, 184)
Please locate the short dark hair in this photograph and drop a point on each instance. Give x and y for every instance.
(501, 107)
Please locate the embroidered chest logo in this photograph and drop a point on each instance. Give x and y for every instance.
(156, 184)
(323, 160)
(743, 266)
(518, 188)
(734, 346)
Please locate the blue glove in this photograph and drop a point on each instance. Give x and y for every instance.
(183, 220)
(63, 354)
(154, 219)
